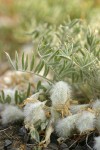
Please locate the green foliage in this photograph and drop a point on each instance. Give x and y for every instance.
(29, 67)
(35, 135)
(19, 96)
(70, 53)
(4, 99)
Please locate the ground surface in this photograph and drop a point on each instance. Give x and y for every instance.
(15, 137)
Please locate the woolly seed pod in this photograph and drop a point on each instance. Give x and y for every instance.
(65, 127)
(77, 108)
(85, 122)
(11, 114)
(97, 143)
(60, 93)
(34, 112)
(96, 105)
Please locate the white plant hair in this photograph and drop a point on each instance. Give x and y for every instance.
(98, 122)
(77, 108)
(97, 143)
(96, 108)
(66, 126)
(11, 114)
(96, 105)
(1, 107)
(60, 93)
(34, 112)
(85, 122)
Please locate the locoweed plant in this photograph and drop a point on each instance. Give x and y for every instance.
(68, 54)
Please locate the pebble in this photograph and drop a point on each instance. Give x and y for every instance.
(7, 144)
(22, 131)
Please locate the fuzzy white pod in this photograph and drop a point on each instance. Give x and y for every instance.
(77, 108)
(97, 143)
(85, 122)
(66, 126)
(11, 114)
(60, 93)
(34, 112)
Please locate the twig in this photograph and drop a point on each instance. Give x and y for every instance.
(7, 135)
(73, 143)
(87, 143)
(4, 129)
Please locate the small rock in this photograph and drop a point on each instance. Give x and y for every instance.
(22, 131)
(23, 134)
(7, 143)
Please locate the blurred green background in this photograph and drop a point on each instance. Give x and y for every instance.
(20, 17)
